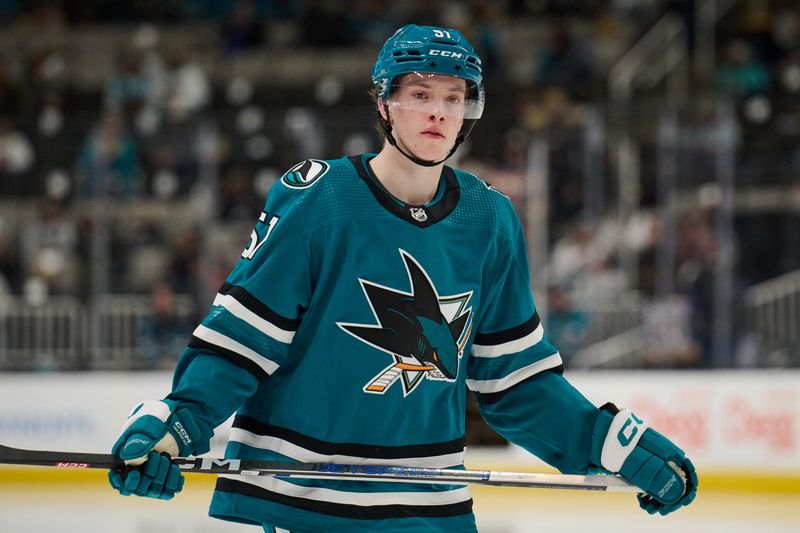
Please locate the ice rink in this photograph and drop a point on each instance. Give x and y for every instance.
(88, 506)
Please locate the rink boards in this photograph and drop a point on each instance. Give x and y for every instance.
(741, 428)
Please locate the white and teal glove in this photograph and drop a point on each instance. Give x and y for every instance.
(154, 432)
(622, 443)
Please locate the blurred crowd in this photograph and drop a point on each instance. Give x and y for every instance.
(148, 182)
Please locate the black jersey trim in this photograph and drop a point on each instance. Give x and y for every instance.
(237, 359)
(358, 512)
(354, 449)
(433, 214)
(489, 398)
(256, 306)
(508, 335)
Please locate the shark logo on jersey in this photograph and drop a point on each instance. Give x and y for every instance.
(423, 332)
(305, 173)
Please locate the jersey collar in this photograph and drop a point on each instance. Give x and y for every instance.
(418, 215)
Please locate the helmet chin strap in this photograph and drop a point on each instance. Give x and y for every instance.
(387, 131)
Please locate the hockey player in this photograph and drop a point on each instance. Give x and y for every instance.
(374, 291)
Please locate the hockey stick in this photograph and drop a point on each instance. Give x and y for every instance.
(402, 474)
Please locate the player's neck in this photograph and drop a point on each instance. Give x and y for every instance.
(404, 179)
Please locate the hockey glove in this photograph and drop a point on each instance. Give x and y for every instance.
(622, 443)
(154, 432)
(157, 477)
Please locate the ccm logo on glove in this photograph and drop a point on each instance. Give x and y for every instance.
(623, 435)
(629, 430)
(181, 433)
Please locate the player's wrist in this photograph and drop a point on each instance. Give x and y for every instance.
(187, 435)
(615, 436)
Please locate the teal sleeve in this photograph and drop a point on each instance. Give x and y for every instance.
(546, 416)
(258, 309)
(212, 388)
(510, 345)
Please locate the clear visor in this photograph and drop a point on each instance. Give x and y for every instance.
(437, 94)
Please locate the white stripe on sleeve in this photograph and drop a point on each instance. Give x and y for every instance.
(486, 386)
(241, 312)
(218, 339)
(509, 347)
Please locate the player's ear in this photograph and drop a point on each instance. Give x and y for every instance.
(381, 108)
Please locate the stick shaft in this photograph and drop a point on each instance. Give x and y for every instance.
(400, 474)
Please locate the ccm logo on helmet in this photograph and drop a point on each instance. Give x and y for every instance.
(446, 53)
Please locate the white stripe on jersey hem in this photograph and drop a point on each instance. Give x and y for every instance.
(496, 385)
(218, 339)
(241, 312)
(531, 339)
(363, 499)
(304, 455)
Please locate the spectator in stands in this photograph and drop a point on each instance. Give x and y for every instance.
(170, 174)
(755, 25)
(790, 72)
(566, 324)
(241, 29)
(698, 256)
(16, 157)
(49, 249)
(551, 111)
(184, 263)
(164, 332)
(322, 23)
(565, 63)
(108, 163)
(486, 36)
(9, 10)
(10, 88)
(46, 21)
(186, 87)
(132, 87)
(46, 70)
(786, 31)
(10, 267)
(237, 200)
(573, 256)
(742, 75)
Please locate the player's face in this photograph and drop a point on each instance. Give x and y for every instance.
(427, 112)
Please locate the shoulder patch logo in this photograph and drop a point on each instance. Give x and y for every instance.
(423, 332)
(305, 173)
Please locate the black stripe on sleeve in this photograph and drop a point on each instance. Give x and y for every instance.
(239, 360)
(494, 397)
(508, 335)
(256, 306)
(358, 512)
(357, 450)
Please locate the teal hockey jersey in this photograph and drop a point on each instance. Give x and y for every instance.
(349, 332)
